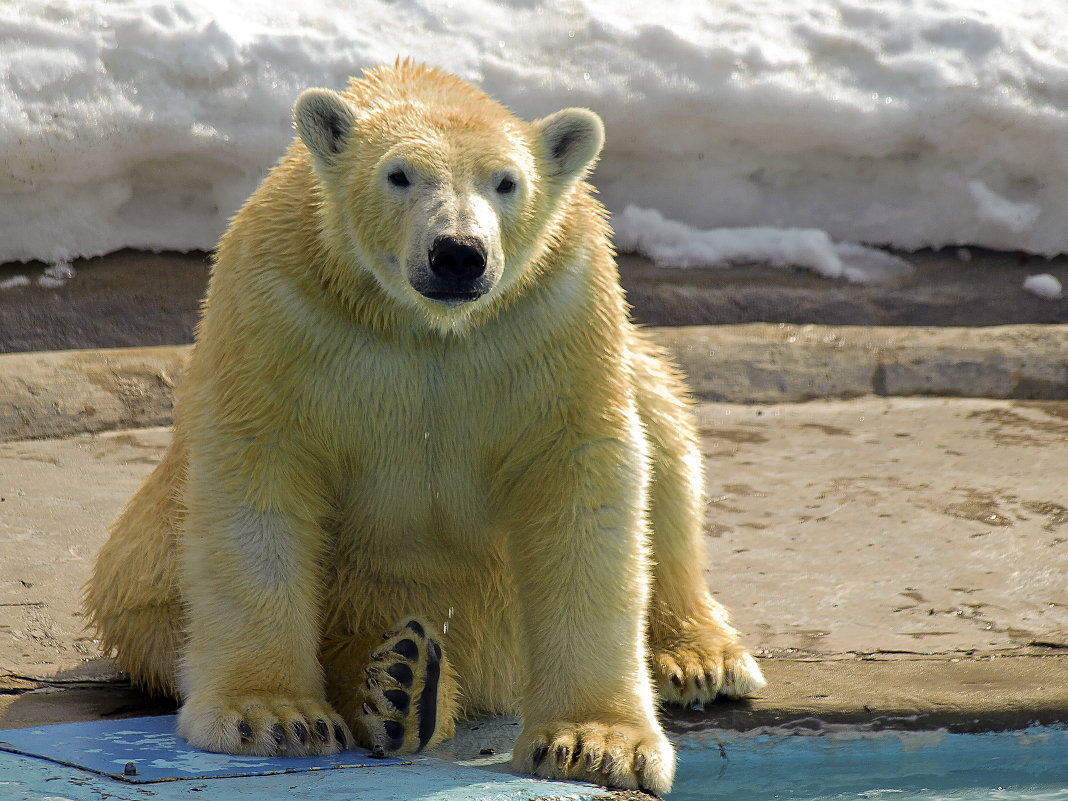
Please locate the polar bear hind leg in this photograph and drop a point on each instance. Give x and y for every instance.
(695, 654)
(404, 699)
(132, 601)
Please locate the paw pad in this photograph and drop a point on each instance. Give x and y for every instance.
(400, 699)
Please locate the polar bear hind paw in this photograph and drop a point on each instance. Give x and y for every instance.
(699, 669)
(403, 706)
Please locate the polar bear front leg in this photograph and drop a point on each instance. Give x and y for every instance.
(580, 557)
(249, 675)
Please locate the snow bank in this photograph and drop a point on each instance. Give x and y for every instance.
(133, 123)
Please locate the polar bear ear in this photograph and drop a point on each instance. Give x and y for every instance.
(324, 121)
(569, 141)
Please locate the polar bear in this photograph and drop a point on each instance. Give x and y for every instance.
(423, 465)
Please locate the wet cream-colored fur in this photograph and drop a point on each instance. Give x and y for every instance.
(415, 395)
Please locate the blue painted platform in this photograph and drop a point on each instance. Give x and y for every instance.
(143, 758)
(144, 750)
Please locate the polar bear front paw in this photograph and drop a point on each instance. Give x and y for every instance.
(263, 725)
(404, 702)
(702, 663)
(610, 755)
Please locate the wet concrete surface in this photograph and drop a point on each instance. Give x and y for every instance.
(942, 289)
(133, 298)
(125, 299)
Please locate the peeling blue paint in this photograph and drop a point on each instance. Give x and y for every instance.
(88, 761)
(143, 750)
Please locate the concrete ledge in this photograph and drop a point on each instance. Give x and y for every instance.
(768, 363)
(60, 393)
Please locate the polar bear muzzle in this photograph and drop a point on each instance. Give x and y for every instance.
(457, 271)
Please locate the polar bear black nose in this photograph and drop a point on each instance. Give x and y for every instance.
(459, 260)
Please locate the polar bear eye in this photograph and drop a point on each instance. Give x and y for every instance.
(506, 186)
(398, 178)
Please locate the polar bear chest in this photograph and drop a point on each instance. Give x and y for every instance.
(424, 430)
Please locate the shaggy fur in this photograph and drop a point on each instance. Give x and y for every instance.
(359, 444)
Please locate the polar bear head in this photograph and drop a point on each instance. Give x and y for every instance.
(437, 189)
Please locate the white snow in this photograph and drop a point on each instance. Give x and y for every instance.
(674, 244)
(55, 276)
(995, 209)
(912, 123)
(1044, 285)
(14, 281)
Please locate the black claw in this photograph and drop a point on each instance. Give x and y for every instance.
(399, 699)
(301, 731)
(378, 752)
(563, 756)
(395, 733)
(371, 670)
(539, 755)
(676, 679)
(699, 681)
(414, 626)
(371, 684)
(407, 649)
(639, 763)
(608, 763)
(369, 710)
(279, 735)
(322, 730)
(402, 674)
(339, 735)
(244, 730)
(591, 762)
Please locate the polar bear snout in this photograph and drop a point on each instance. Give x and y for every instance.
(457, 260)
(457, 270)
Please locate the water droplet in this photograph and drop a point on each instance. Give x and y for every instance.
(426, 435)
(450, 612)
(445, 627)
